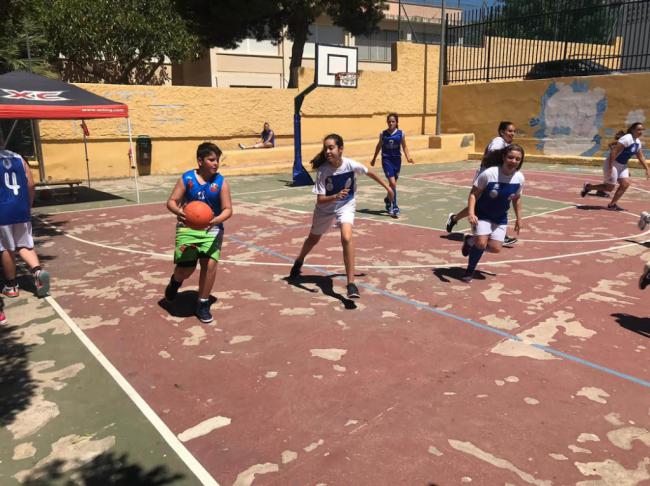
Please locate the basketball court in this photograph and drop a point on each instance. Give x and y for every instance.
(535, 373)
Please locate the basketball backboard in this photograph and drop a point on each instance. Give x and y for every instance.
(332, 60)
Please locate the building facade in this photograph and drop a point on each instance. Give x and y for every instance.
(265, 64)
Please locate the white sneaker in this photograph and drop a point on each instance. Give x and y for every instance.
(644, 219)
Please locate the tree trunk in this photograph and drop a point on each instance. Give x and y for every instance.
(299, 39)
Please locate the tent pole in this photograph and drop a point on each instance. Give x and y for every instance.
(132, 165)
(86, 152)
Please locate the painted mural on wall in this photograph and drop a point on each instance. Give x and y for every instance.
(570, 119)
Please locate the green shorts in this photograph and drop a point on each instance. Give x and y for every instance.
(194, 244)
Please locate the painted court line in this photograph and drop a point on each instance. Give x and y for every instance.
(177, 446)
(471, 322)
(168, 256)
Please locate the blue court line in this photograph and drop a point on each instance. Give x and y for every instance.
(465, 320)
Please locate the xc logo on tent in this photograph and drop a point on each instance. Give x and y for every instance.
(13, 94)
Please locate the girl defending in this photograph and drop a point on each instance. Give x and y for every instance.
(489, 202)
(335, 189)
(391, 142)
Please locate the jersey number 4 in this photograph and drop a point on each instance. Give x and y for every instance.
(14, 186)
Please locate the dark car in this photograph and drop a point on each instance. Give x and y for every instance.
(568, 67)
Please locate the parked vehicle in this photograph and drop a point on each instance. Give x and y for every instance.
(568, 67)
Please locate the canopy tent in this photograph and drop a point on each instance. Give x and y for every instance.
(25, 95)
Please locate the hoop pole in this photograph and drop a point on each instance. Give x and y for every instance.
(300, 176)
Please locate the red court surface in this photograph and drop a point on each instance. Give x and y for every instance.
(535, 373)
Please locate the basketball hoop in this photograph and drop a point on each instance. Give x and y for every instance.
(346, 79)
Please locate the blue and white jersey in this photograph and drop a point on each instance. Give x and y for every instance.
(497, 143)
(631, 145)
(391, 144)
(331, 180)
(498, 190)
(266, 134)
(208, 192)
(15, 204)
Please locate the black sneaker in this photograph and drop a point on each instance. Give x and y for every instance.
(353, 291)
(203, 312)
(509, 242)
(584, 191)
(614, 207)
(172, 289)
(644, 281)
(296, 269)
(451, 222)
(466, 246)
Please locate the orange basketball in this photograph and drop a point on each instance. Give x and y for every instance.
(198, 215)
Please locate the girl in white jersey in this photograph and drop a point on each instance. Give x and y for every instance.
(615, 166)
(335, 189)
(491, 157)
(489, 201)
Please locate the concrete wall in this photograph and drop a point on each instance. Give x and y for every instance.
(179, 117)
(567, 116)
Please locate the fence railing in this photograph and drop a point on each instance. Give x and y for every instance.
(528, 40)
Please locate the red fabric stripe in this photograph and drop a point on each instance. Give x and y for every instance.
(63, 112)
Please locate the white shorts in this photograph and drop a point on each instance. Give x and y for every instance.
(17, 235)
(497, 232)
(323, 221)
(616, 171)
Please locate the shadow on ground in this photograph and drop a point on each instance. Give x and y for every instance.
(639, 325)
(184, 305)
(16, 384)
(375, 212)
(325, 283)
(61, 196)
(106, 469)
(455, 273)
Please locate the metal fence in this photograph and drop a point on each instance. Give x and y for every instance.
(547, 38)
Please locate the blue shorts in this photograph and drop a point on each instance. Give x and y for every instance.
(392, 168)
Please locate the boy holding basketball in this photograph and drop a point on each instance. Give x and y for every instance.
(203, 245)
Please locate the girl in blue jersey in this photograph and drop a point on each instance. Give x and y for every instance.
(335, 189)
(207, 185)
(267, 139)
(489, 202)
(491, 157)
(615, 167)
(391, 142)
(17, 192)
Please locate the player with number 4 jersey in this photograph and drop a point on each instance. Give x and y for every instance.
(17, 192)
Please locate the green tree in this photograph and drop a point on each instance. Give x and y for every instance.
(590, 21)
(227, 22)
(115, 41)
(18, 30)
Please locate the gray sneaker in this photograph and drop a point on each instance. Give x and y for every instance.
(42, 281)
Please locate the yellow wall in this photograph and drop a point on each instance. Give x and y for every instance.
(523, 53)
(179, 117)
(567, 116)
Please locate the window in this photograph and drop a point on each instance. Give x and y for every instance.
(322, 34)
(376, 47)
(254, 47)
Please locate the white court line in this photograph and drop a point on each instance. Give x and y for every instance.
(335, 266)
(176, 445)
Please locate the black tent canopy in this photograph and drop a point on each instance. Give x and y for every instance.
(25, 95)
